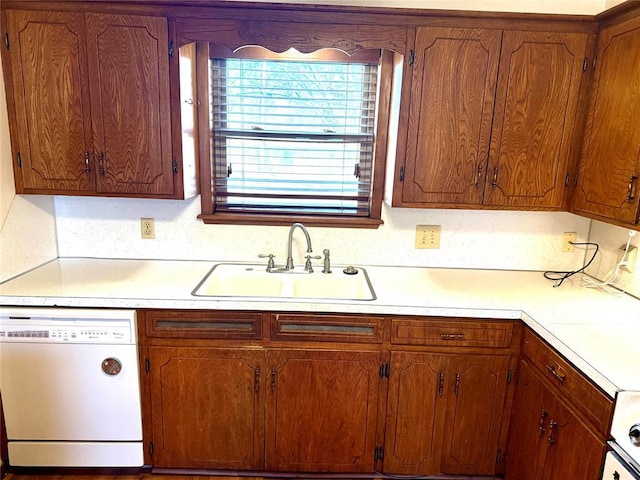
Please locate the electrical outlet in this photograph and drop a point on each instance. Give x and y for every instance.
(567, 238)
(630, 260)
(148, 228)
(428, 236)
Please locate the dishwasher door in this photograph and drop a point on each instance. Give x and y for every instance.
(60, 392)
(70, 392)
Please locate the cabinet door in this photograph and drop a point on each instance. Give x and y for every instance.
(52, 103)
(573, 451)
(321, 410)
(129, 72)
(475, 391)
(415, 413)
(546, 439)
(452, 94)
(208, 407)
(610, 163)
(530, 416)
(535, 118)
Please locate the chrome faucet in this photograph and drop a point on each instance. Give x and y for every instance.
(289, 265)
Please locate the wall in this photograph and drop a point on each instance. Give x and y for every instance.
(28, 228)
(101, 227)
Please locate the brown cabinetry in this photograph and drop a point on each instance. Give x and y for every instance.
(208, 407)
(322, 410)
(608, 184)
(491, 119)
(550, 436)
(445, 406)
(92, 104)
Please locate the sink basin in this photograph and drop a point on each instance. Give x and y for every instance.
(242, 280)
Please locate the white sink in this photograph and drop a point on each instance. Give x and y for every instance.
(241, 280)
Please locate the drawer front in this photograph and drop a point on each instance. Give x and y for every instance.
(327, 328)
(203, 324)
(586, 397)
(441, 331)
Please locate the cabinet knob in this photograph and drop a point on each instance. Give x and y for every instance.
(634, 435)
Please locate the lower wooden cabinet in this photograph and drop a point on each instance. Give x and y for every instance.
(208, 407)
(548, 439)
(252, 391)
(321, 410)
(445, 412)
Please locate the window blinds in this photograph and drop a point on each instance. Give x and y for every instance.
(292, 136)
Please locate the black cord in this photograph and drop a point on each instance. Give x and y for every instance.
(562, 276)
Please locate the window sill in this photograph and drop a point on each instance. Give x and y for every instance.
(308, 220)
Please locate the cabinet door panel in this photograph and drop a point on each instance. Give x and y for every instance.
(453, 80)
(321, 410)
(208, 407)
(475, 404)
(534, 121)
(48, 62)
(528, 429)
(415, 419)
(573, 451)
(611, 150)
(129, 65)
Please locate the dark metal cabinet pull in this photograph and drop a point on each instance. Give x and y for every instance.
(273, 379)
(630, 190)
(452, 336)
(87, 166)
(101, 163)
(256, 376)
(456, 388)
(543, 416)
(553, 425)
(559, 376)
(494, 184)
(441, 384)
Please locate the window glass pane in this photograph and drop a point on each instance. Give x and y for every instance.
(293, 135)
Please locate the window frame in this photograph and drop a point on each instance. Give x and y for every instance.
(304, 37)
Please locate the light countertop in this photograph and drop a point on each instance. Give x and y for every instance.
(598, 332)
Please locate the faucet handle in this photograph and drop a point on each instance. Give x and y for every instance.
(307, 265)
(270, 263)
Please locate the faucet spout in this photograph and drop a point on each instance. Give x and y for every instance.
(289, 265)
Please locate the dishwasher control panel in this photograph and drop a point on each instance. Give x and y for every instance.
(16, 327)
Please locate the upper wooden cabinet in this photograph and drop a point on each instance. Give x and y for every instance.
(610, 164)
(534, 119)
(491, 119)
(453, 80)
(92, 104)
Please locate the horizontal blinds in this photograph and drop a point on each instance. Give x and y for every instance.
(292, 137)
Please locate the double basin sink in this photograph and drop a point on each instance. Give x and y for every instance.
(243, 280)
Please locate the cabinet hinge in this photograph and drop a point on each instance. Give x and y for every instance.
(402, 174)
(171, 49)
(567, 178)
(384, 370)
(151, 448)
(595, 62)
(147, 365)
(585, 64)
(378, 454)
(19, 159)
(6, 40)
(174, 166)
(412, 57)
(509, 375)
(498, 457)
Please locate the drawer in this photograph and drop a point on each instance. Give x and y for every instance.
(442, 331)
(575, 387)
(203, 324)
(327, 328)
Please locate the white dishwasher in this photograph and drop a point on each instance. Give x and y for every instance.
(70, 387)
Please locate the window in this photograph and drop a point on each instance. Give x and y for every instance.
(293, 136)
